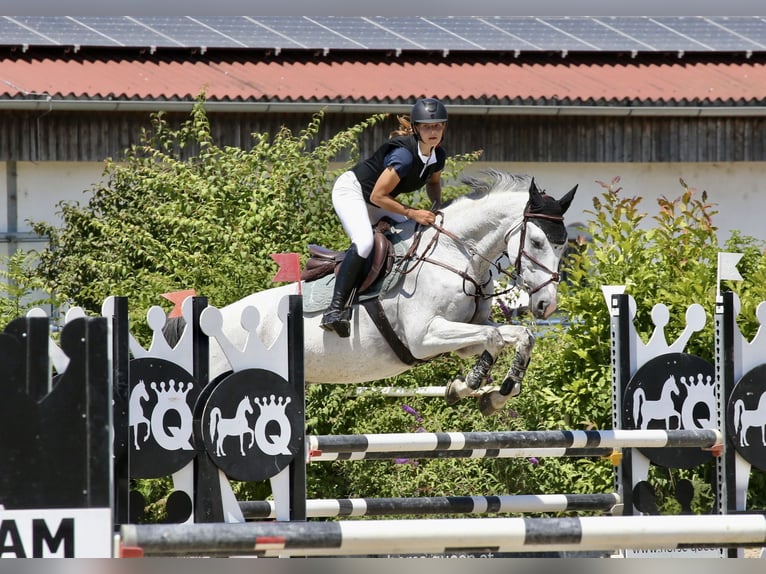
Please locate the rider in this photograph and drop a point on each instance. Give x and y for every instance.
(411, 158)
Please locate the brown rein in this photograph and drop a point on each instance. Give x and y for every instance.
(412, 255)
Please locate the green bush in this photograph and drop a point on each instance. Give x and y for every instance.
(178, 212)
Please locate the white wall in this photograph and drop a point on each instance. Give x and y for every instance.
(42, 185)
(735, 188)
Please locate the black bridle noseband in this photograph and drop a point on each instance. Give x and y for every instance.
(555, 277)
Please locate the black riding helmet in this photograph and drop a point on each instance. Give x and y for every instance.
(427, 111)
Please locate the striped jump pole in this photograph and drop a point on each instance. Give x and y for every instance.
(455, 441)
(439, 536)
(436, 392)
(319, 456)
(325, 508)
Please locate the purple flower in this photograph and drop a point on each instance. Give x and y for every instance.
(410, 411)
(533, 461)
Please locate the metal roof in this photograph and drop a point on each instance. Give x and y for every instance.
(742, 34)
(488, 86)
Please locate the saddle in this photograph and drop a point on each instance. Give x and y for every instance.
(323, 261)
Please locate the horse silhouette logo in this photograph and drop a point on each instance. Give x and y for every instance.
(239, 426)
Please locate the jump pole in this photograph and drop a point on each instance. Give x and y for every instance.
(434, 392)
(319, 456)
(419, 536)
(325, 508)
(452, 441)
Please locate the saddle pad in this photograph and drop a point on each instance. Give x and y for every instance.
(317, 294)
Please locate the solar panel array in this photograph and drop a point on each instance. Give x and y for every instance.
(447, 34)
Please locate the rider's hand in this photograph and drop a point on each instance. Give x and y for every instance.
(422, 216)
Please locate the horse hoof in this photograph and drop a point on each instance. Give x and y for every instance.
(490, 403)
(453, 393)
(510, 387)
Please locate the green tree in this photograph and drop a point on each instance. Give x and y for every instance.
(179, 212)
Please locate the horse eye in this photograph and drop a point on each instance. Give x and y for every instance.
(537, 244)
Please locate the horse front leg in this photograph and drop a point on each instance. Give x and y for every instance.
(487, 341)
(460, 387)
(493, 401)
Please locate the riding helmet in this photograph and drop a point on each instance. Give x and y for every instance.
(428, 111)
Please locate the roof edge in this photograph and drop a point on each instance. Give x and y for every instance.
(109, 105)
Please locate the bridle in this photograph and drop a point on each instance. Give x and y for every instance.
(478, 292)
(554, 275)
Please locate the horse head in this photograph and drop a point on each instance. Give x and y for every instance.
(540, 247)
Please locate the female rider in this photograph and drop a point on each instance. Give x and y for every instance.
(410, 159)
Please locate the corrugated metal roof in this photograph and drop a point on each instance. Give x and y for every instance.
(563, 82)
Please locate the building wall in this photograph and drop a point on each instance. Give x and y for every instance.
(736, 188)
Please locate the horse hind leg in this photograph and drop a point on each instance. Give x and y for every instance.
(477, 376)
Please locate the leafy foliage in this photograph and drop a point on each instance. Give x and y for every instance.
(167, 219)
(178, 212)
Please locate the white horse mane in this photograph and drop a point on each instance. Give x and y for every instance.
(490, 180)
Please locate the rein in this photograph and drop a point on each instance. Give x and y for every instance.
(412, 255)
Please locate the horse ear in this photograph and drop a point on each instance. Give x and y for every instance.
(535, 198)
(566, 201)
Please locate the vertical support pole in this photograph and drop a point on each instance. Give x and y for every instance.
(296, 376)
(99, 394)
(725, 464)
(121, 415)
(208, 502)
(620, 358)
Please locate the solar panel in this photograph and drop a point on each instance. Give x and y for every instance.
(753, 29)
(57, 31)
(539, 34)
(248, 32)
(12, 33)
(365, 33)
(443, 33)
(655, 34)
(121, 31)
(482, 33)
(706, 32)
(596, 34)
(423, 33)
(185, 31)
(305, 33)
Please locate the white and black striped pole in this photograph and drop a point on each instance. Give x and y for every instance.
(445, 536)
(501, 504)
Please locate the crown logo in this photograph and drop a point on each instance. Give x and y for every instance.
(273, 406)
(169, 393)
(253, 346)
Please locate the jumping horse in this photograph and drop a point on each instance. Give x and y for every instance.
(441, 302)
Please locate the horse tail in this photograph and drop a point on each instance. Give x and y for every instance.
(638, 400)
(215, 416)
(173, 329)
(739, 408)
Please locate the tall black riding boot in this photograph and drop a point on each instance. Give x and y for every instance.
(335, 318)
